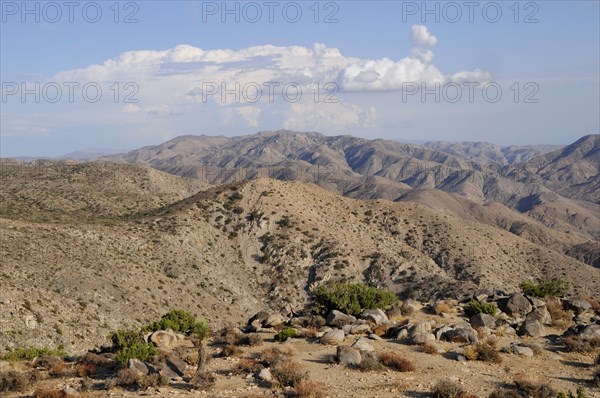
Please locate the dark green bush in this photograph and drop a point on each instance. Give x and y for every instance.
(180, 321)
(545, 288)
(27, 354)
(284, 334)
(139, 349)
(352, 298)
(475, 307)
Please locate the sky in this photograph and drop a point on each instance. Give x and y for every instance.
(125, 74)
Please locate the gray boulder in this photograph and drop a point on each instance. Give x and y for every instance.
(590, 332)
(333, 337)
(517, 349)
(348, 356)
(339, 319)
(531, 328)
(139, 366)
(363, 344)
(518, 306)
(163, 339)
(376, 316)
(461, 335)
(540, 314)
(483, 320)
(265, 375)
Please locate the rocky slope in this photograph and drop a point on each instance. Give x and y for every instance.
(88, 248)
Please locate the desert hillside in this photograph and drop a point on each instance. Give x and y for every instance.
(78, 261)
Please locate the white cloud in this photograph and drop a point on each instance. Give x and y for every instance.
(310, 116)
(250, 114)
(422, 37)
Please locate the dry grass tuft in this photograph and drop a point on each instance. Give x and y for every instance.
(577, 344)
(288, 373)
(310, 389)
(396, 362)
(428, 348)
(561, 318)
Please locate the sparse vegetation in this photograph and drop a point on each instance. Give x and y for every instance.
(476, 307)
(545, 288)
(352, 298)
(180, 322)
(396, 362)
(577, 344)
(27, 354)
(310, 389)
(485, 352)
(448, 389)
(287, 372)
(285, 334)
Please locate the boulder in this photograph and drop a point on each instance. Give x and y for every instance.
(579, 306)
(540, 314)
(590, 332)
(521, 350)
(265, 375)
(374, 336)
(536, 302)
(422, 338)
(255, 323)
(348, 356)
(381, 330)
(531, 328)
(363, 344)
(274, 320)
(518, 306)
(394, 314)
(333, 337)
(461, 335)
(177, 365)
(360, 329)
(139, 366)
(440, 332)
(376, 316)
(338, 319)
(163, 339)
(402, 334)
(483, 320)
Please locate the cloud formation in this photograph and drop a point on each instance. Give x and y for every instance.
(252, 85)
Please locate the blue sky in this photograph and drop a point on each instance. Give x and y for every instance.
(371, 58)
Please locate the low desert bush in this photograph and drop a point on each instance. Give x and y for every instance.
(310, 389)
(505, 393)
(272, 355)
(533, 389)
(444, 307)
(285, 334)
(428, 348)
(54, 393)
(131, 379)
(475, 307)
(246, 366)
(577, 344)
(561, 318)
(448, 389)
(230, 350)
(580, 393)
(204, 380)
(351, 298)
(485, 352)
(27, 354)
(396, 362)
(545, 288)
(287, 373)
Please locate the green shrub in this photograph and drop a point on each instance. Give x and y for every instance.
(27, 354)
(180, 322)
(139, 350)
(352, 298)
(125, 338)
(284, 334)
(476, 307)
(545, 288)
